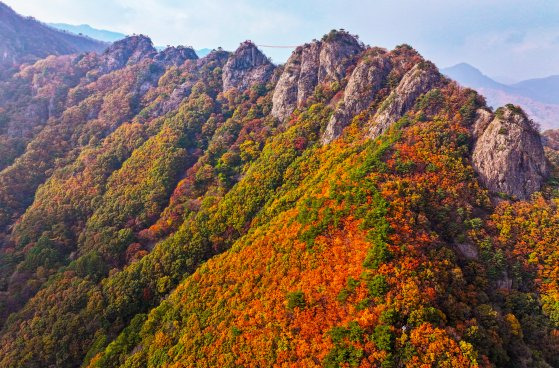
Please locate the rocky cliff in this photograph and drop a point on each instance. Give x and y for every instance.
(158, 215)
(368, 77)
(318, 62)
(508, 154)
(246, 66)
(417, 81)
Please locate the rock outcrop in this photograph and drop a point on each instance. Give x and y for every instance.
(127, 51)
(175, 56)
(482, 120)
(368, 77)
(246, 66)
(508, 155)
(319, 62)
(423, 77)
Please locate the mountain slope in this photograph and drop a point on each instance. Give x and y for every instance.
(25, 40)
(340, 210)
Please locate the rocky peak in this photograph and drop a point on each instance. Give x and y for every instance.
(508, 155)
(368, 77)
(245, 67)
(423, 77)
(175, 55)
(129, 50)
(336, 55)
(318, 62)
(218, 56)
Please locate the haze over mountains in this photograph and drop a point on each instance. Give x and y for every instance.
(353, 207)
(87, 30)
(539, 97)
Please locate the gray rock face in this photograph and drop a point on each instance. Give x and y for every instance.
(508, 155)
(483, 118)
(286, 92)
(175, 56)
(308, 76)
(417, 81)
(367, 79)
(128, 51)
(246, 67)
(319, 62)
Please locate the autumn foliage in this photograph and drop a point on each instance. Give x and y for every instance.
(138, 233)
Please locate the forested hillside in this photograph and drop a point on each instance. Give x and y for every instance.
(351, 208)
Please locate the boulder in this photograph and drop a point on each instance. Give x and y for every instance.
(175, 56)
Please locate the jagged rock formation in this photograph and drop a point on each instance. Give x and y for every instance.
(508, 155)
(175, 55)
(366, 80)
(130, 50)
(246, 67)
(323, 61)
(417, 81)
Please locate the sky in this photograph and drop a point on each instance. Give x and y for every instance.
(510, 40)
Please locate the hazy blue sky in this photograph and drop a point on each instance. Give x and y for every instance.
(514, 39)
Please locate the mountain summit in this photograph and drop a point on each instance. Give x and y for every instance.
(246, 66)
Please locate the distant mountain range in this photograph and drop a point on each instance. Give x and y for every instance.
(539, 97)
(24, 40)
(87, 30)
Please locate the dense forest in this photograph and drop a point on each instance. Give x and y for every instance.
(351, 208)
